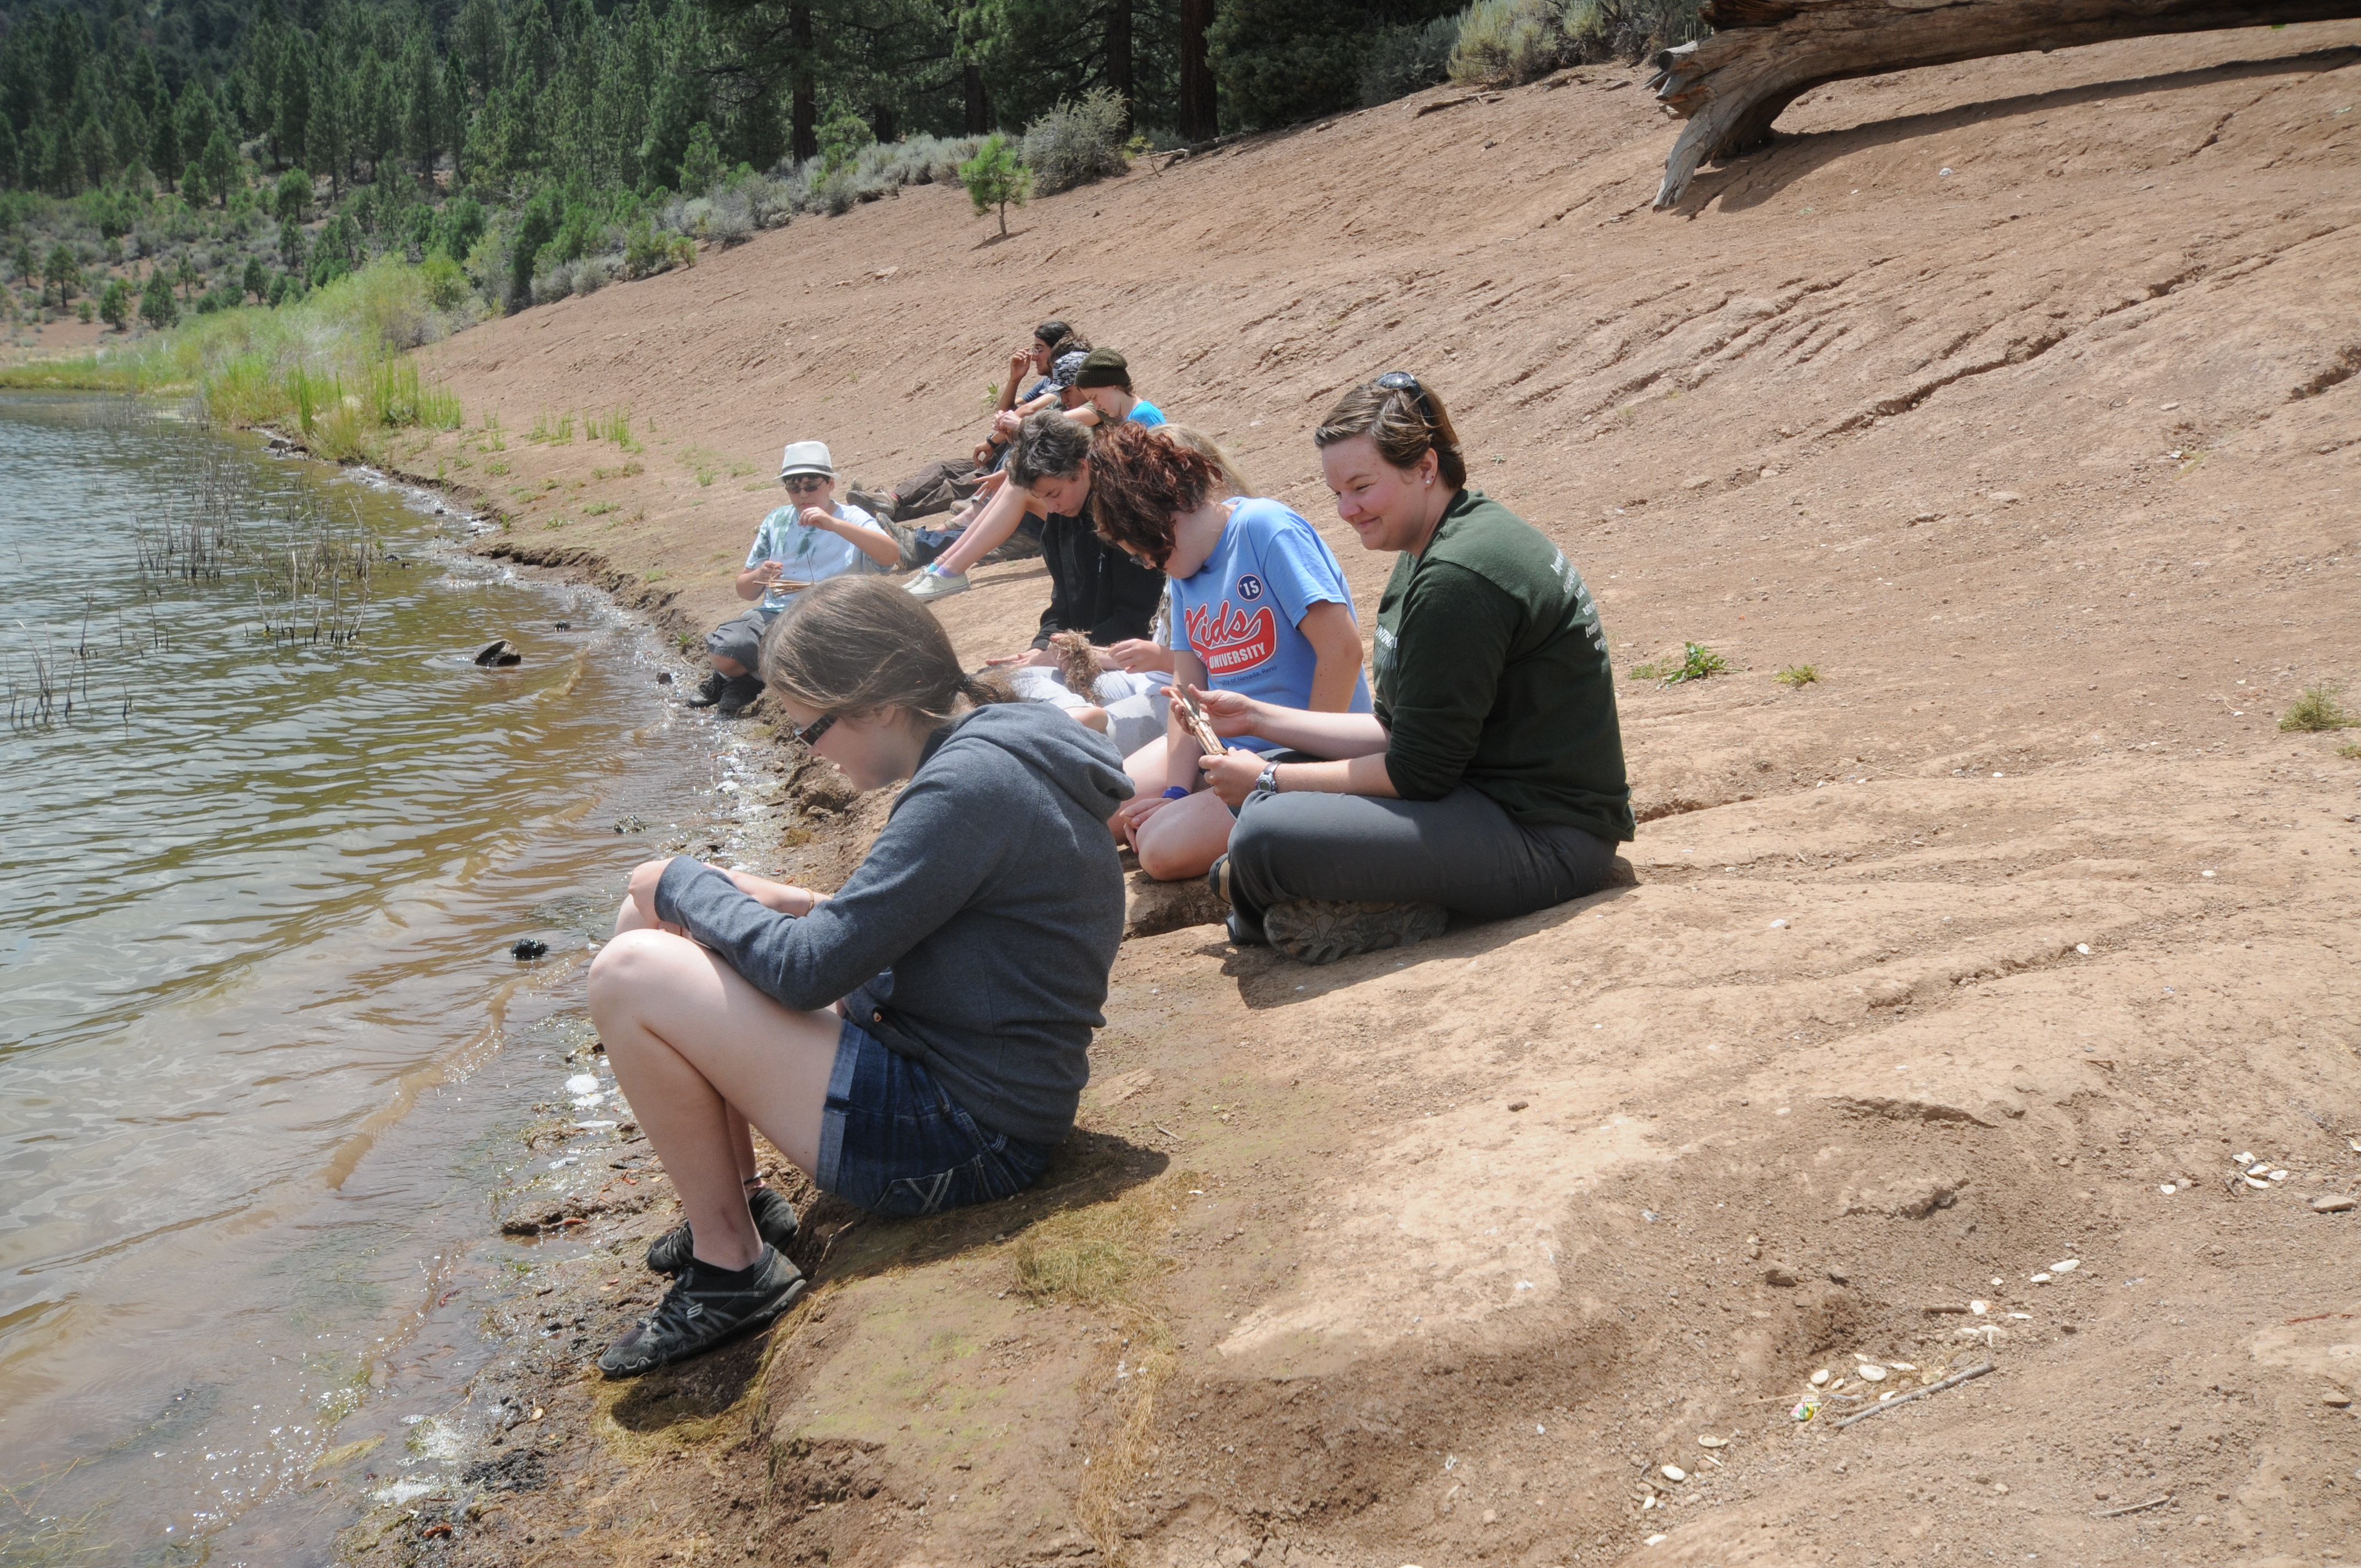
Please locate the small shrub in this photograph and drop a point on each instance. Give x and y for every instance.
(1075, 143)
(1798, 675)
(1404, 60)
(446, 283)
(1696, 662)
(553, 285)
(2318, 709)
(646, 251)
(590, 275)
(730, 221)
(995, 178)
(2351, 752)
(1629, 30)
(1509, 40)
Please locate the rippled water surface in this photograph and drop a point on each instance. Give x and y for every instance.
(262, 1044)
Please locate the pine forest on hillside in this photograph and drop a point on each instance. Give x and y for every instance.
(159, 158)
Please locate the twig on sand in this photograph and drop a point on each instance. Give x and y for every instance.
(2131, 1507)
(1953, 1381)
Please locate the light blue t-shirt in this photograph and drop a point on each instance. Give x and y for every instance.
(1239, 612)
(1145, 412)
(809, 554)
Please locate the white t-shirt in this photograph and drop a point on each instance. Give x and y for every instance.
(809, 554)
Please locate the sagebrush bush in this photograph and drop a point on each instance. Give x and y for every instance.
(1509, 42)
(1077, 142)
(1629, 30)
(1519, 40)
(1404, 60)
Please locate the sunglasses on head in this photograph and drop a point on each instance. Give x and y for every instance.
(1403, 381)
(806, 484)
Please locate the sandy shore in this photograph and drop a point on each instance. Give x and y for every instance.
(2015, 401)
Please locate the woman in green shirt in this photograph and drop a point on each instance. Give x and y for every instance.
(1490, 780)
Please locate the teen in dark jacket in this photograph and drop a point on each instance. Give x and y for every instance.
(914, 1042)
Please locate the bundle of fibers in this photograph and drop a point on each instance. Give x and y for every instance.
(1078, 665)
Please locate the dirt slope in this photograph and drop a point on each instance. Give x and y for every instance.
(2015, 398)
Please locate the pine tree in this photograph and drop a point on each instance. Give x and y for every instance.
(291, 133)
(422, 116)
(995, 178)
(157, 306)
(115, 305)
(217, 165)
(164, 155)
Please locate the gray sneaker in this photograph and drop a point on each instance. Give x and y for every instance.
(774, 1222)
(702, 1310)
(933, 585)
(1322, 930)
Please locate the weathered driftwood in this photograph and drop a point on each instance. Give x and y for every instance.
(1765, 54)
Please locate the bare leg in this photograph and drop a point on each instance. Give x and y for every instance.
(991, 529)
(700, 1054)
(1184, 839)
(723, 666)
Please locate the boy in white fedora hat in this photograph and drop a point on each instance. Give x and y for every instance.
(812, 538)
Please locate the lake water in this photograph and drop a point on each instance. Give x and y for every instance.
(263, 1047)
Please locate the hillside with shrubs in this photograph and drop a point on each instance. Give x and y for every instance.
(196, 158)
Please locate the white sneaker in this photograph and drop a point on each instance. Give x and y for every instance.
(933, 585)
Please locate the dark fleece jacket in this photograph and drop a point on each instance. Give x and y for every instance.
(993, 895)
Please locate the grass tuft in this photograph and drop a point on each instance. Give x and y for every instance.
(1798, 675)
(2318, 709)
(1095, 1257)
(1696, 662)
(2351, 752)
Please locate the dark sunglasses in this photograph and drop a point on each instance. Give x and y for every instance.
(810, 734)
(1403, 381)
(807, 484)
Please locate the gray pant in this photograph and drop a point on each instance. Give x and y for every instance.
(1463, 852)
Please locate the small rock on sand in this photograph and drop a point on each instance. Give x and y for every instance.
(2331, 1204)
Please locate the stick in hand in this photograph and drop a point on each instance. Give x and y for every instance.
(1193, 719)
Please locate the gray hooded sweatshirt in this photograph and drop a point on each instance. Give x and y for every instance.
(993, 895)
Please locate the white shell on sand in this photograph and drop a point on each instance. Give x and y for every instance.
(1979, 1307)
(1820, 1377)
(2068, 1266)
(2042, 1278)
(1675, 1472)
(1707, 1439)
(1870, 1372)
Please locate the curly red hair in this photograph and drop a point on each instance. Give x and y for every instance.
(1141, 479)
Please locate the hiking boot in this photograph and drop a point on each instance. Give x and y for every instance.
(738, 695)
(1322, 930)
(932, 583)
(705, 1307)
(710, 690)
(1018, 546)
(774, 1222)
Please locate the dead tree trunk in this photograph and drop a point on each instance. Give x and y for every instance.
(1765, 54)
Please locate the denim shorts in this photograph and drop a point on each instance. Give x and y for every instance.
(893, 1142)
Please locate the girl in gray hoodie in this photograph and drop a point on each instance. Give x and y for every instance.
(914, 1042)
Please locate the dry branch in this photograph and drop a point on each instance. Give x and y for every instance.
(1953, 1381)
(1765, 54)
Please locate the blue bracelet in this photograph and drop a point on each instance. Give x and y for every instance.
(1175, 793)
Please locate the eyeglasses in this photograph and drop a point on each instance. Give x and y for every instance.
(810, 734)
(1403, 381)
(807, 484)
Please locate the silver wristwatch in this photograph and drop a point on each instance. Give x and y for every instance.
(1267, 781)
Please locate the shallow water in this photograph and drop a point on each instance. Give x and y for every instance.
(263, 1048)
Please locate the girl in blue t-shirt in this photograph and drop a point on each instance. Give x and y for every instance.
(1259, 607)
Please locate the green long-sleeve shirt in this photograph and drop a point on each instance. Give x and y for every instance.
(1491, 669)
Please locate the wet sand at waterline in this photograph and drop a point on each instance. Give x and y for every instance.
(263, 1049)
